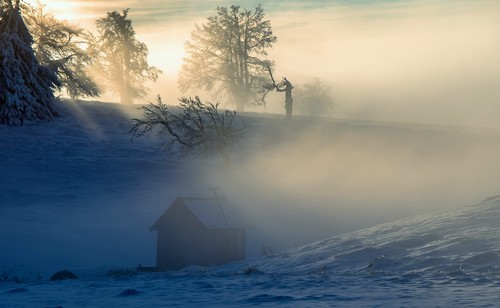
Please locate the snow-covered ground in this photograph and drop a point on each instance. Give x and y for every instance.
(79, 194)
(443, 260)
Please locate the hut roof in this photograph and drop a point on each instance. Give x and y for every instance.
(215, 213)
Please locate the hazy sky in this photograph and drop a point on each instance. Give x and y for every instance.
(408, 60)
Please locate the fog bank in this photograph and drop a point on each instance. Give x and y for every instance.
(310, 179)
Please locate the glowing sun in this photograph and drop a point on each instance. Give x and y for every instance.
(63, 10)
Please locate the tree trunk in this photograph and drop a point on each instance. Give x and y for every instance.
(125, 96)
(239, 100)
(226, 158)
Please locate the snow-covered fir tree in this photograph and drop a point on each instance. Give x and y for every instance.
(26, 87)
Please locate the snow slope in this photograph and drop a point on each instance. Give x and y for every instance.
(460, 244)
(79, 194)
(78, 191)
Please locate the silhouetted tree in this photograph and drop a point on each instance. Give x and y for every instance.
(284, 86)
(123, 59)
(313, 98)
(26, 87)
(227, 55)
(62, 47)
(198, 128)
(287, 87)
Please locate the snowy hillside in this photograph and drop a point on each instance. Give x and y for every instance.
(461, 245)
(77, 191)
(80, 184)
(79, 194)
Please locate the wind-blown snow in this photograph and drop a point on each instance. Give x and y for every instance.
(78, 194)
(464, 242)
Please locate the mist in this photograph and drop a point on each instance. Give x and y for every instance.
(414, 128)
(421, 62)
(305, 181)
(416, 90)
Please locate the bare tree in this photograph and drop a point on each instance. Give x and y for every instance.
(287, 87)
(63, 47)
(198, 128)
(227, 55)
(124, 63)
(284, 86)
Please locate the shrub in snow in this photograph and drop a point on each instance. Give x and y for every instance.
(199, 128)
(129, 292)
(252, 271)
(63, 275)
(26, 87)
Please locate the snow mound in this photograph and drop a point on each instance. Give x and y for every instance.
(466, 241)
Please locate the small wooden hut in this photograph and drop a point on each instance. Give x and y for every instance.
(199, 231)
